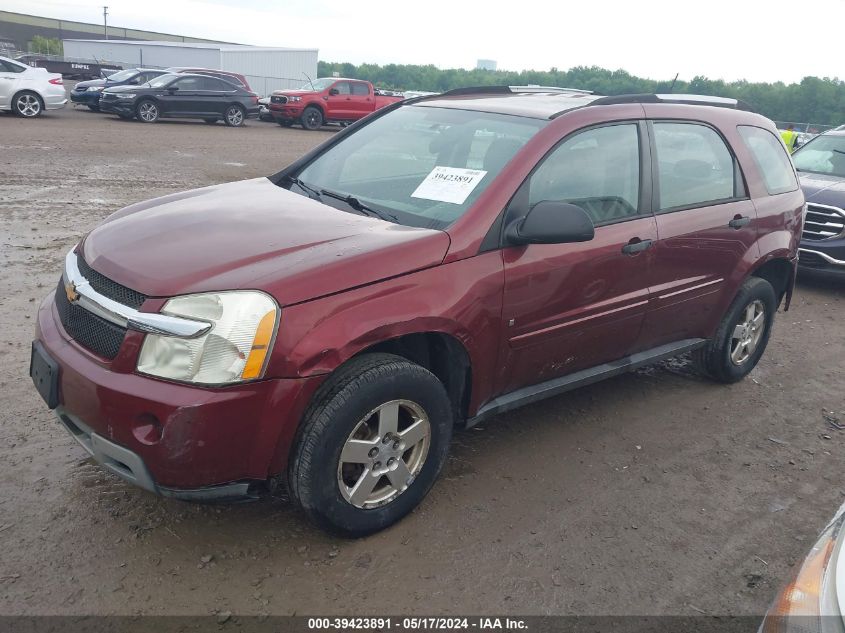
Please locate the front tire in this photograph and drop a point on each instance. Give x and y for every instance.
(27, 104)
(235, 116)
(371, 445)
(312, 118)
(743, 334)
(147, 112)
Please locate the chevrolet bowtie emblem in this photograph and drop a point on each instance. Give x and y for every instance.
(70, 291)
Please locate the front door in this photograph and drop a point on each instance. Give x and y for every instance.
(572, 306)
(182, 97)
(339, 102)
(706, 225)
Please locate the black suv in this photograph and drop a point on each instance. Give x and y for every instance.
(821, 169)
(182, 96)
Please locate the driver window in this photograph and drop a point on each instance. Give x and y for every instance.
(598, 170)
(342, 88)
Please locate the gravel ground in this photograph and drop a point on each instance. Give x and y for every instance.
(652, 493)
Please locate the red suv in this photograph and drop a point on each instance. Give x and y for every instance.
(447, 259)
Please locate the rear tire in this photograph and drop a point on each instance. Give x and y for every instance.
(742, 336)
(27, 104)
(147, 111)
(312, 118)
(371, 445)
(234, 116)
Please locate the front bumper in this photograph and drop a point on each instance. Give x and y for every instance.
(286, 111)
(172, 439)
(822, 257)
(86, 98)
(118, 106)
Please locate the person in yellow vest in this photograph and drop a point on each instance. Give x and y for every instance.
(789, 136)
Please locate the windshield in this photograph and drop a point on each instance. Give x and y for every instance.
(424, 166)
(162, 80)
(319, 84)
(825, 154)
(123, 75)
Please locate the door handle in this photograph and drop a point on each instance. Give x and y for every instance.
(636, 245)
(739, 221)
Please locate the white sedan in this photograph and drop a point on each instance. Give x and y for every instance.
(28, 91)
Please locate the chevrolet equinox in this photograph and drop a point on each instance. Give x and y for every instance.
(444, 260)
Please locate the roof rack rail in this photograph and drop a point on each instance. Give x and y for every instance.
(687, 99)
(503, 90)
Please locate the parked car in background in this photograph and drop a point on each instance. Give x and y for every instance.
(327, 100)
(814, 600)
(88, 92)
(28, 91)
(182, 96)
(445, 261)
(235, 78)
(821, 170)
(264, 109)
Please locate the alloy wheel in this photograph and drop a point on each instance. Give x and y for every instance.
(748, 332)
(234, 116)
(384, 454)
(148, 112)
(313, 119)
(28, 105)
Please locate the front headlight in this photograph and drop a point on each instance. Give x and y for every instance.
(125, 95)
(294, 98)
(808, 603)
(95, 89)
(236, 348)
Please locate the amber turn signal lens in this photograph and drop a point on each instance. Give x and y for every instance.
(260, 347)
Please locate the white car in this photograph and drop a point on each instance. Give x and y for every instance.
(28, 91)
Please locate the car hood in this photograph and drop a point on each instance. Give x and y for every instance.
(823, 189)
(91, 83)
(253, 234)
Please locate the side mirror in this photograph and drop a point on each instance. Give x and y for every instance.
(172, 89)
(334, 92)
(550, 222)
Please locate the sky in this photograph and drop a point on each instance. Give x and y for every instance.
(720, 39)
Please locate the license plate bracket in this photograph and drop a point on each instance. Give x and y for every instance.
(44, 372)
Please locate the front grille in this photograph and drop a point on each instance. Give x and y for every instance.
(87, 329)
(823, 223)
(279, 99)
(109, 288)
(808, 259)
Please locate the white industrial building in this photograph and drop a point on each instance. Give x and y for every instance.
(266, 69)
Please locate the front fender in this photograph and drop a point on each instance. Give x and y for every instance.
(462, 299)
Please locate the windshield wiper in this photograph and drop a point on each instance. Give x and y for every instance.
(356, 204)
(311, 191)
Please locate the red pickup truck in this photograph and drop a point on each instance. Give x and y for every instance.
(327, 100)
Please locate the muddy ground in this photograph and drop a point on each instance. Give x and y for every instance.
(652, 493)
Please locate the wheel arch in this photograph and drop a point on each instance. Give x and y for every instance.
(779, 271)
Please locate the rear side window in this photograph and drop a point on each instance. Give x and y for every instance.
(694, 166)
(359, 89)
(11, 67)
(598, 170)
(771, 159)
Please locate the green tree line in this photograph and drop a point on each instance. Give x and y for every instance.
(813, 100)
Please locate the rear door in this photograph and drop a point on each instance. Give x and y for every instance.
(706, 225)
(572, 306)
(10, 78)
(215, 95)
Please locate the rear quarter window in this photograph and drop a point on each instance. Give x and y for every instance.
(771, 159)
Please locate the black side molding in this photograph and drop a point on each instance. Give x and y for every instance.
(550, 388)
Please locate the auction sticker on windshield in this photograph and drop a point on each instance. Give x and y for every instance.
(449, 184)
